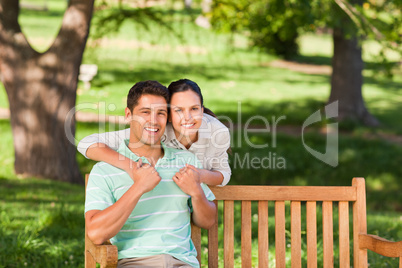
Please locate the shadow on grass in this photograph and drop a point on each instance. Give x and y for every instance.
(39, 191)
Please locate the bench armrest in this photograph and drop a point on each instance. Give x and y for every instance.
(106, 254)
(380, 245)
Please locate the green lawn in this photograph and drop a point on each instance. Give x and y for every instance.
(42, 221)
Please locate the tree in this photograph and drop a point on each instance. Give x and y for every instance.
(347, 77)
(41, 89)
(275, 24)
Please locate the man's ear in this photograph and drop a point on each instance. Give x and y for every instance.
(127, 115)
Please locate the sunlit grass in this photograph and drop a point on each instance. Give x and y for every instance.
(41, 221)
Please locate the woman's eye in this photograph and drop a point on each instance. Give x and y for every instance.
(177, 110)
(195, 109)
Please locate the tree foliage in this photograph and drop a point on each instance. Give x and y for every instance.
(274, 25)
(110, 17)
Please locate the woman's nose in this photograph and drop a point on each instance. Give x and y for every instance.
(187, 115)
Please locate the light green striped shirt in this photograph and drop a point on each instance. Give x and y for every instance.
(160, 222)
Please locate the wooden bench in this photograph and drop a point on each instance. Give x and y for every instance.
(311, 197)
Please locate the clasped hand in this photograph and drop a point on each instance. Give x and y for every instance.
(146, 177)
(188, 179)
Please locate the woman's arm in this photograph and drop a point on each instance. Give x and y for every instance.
(103, 146)
(216, 160)
(101, 152)
(110, 139)
(210, 177)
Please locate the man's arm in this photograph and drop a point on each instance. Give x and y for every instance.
(104, 224)
(204, 211)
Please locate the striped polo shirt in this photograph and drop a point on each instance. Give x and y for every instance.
(160, 222)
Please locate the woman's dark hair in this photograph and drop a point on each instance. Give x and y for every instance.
(186, 84)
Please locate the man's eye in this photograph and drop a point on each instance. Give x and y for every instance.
(145, 112)
(195, 109)
(177, 110)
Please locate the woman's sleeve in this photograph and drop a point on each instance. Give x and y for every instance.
(111, 139)
(220, 160)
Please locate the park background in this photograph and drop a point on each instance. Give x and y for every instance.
(42, 221)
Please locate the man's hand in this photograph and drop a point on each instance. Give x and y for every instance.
(145, 177)
(188, 179)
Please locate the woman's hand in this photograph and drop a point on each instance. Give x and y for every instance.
(188, 179)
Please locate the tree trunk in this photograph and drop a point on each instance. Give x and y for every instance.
(347, 79)
(41, 90)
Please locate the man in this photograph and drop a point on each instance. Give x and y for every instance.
(149, 219)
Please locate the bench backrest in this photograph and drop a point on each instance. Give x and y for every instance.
(310, 195)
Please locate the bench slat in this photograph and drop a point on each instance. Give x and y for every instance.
(295, 212)
(196, 237)
(328, 239)
(344, 250)
(213, 243)
(246, 234)
(311, 211)
(263, 234)
(285, 193)
(228, 237)
(280, 238)
(359, 223)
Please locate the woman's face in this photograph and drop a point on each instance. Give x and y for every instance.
(186, 113)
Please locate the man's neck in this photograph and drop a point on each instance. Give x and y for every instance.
(150, 152)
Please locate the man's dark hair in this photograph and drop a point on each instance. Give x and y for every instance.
(146, 87)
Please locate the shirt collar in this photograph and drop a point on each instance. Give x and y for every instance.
(205, 130)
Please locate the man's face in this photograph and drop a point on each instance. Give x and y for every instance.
(147, 121)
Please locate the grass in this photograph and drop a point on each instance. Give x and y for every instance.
(41, 221)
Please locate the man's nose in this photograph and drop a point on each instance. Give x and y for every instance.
(154, 118)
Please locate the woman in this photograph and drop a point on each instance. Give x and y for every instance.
(191, 127)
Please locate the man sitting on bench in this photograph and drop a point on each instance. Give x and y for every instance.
(148, 219)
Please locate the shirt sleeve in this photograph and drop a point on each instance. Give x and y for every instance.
(220, 160)
(112, 139)
(98, 195)
(208, 193)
